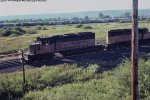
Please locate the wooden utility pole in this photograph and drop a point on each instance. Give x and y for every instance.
(23, 70)
(134, 51)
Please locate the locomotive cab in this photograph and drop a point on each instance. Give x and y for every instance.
(35, 47)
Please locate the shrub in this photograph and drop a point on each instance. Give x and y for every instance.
(71, 82)
(105, 86)
(6, 32)
(114, 84)
(12, 31)
(38, 79)
(13, 35)
(31, 31)
(69, 25)
(10, 84)
(53, 27)
(148, 19)
(87, 27)
(38, 27)
(79, 26)
(44, 28)
(19, 29)
(124, 21)
(144, 79)
(27, 26)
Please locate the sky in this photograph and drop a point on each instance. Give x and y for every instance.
(8, 8)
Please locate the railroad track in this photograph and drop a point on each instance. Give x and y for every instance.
(108, 54)
(9, 64)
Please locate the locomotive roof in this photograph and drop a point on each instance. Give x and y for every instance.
(119, 32)
(68, 37)
(35, 43)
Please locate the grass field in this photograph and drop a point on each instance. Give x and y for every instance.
(13, 44)
(72, 82)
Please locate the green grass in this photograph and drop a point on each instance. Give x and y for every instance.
(13, 44)
(41, 78)
(113, 84)
(72, 82)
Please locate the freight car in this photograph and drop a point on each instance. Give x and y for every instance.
(78, 43)
(67, 44)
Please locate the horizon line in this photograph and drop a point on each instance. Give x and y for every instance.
(68, 12)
